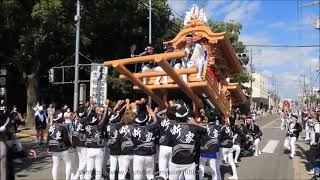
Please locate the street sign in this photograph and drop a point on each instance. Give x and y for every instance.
(98, 83)
(2, 81)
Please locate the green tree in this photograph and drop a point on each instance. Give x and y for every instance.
(36, 35)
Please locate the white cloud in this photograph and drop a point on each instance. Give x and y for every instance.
(241, 11)
(286, 64)
(179, 6)
(254, 39)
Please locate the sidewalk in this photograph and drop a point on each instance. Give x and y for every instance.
(29, 132)
(302, 160)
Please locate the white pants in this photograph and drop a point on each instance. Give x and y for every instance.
(56, 157)
(282, 123)
(214, 166)
(143, 165)
(188, 170)
(82, 155)
(312, 137)
(164, 159)
(75, 162)
(95, 157)
(199, 66)
(256, 146)
(165, 78)
(289, 144)
(228, 153)
(237, 150)
(3, 160)
(145, 69)
(113, 166)
(125, 164)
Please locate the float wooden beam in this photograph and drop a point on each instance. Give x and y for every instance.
(173, 86)
(216, 100)
(141, 59)
(123, 70)
(161, 73)
(184, 87)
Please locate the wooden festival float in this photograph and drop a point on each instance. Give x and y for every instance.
(222, 63)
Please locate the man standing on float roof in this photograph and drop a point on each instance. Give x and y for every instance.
(195, 56)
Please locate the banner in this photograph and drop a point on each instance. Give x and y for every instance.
(98, 83)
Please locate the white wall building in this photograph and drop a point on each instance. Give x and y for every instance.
(259, 91)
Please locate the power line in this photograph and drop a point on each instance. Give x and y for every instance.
(284, 46)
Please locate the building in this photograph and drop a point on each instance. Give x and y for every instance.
(273, 101)
(260, 99)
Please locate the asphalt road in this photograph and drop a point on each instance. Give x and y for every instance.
(273, 164)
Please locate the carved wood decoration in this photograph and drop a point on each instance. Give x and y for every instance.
(222, 63)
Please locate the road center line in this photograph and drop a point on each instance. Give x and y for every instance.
(271, 146)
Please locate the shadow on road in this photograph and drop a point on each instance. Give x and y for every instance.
(32, 165)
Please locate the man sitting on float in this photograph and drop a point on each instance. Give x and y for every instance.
(195, 57)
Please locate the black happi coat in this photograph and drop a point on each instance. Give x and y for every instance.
(125, 139)
(254, 130)
(144, 138)
(79, 134)
(238, 135)
(58, 138)
(113, 131)
(209, 142)
(184, 137)
(295, 131)
(95, 132)
(164, 129)
(226, 136)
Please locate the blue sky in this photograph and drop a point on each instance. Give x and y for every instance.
(271, 22)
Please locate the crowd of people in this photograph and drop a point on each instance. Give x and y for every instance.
(311, 126)
(141, 142)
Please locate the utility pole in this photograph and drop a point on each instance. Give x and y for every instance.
(150, 22)
(251, 71)
(76, 64)
(150, 40)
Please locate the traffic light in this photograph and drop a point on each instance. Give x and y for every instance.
(51, 75)
(242, 55)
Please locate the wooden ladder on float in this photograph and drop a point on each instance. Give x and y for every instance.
(162, 61)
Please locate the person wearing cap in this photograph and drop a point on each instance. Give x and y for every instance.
(144, 134)
(147, 66)
(209, 150)
(173, 63)
(95, 142)
(183, 137)
(167, 118)
(195, 56)
(256, 133)
(293, 131)
(226, 140)
(40, 124)
(58, 145)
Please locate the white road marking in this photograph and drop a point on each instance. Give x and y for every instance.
(271, 146)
